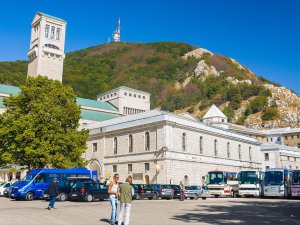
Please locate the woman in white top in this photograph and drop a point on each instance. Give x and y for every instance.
(114, 192)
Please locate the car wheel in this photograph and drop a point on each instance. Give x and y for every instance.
(216, 196)
(63, 197)
(89, 198)
(155, 197)
(196, 197)
(138, 197)
(192, 198)
(150, 198)
(29, 196)
(203, 198)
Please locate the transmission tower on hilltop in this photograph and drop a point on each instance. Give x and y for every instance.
(117, 32)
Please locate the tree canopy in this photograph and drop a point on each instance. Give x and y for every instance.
(40, 126)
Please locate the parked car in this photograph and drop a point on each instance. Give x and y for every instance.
(202, 191)
(64, 187)
(176, 189)
(190, 193)
(164, 191)
(4, 187)
(89, 191)
(142, 191)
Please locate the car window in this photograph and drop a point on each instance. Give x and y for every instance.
(166, 186)
(188, 188)
(196, 187)
(205, 188)
(176, 187)
(144, 186)
(78, 185)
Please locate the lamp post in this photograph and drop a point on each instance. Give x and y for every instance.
(157, 170)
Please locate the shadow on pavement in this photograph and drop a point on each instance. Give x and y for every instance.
(244, 212)
(105, 220)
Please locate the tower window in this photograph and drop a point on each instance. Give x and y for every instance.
(216, 147)
(250, 154)
(240, 152)
(47, 31)
(57, 33)
(201, 145)
(143, 97)
(129, 168)
(147, 166)
(228, 150)
(52, 32)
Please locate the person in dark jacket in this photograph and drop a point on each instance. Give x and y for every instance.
(53, 192)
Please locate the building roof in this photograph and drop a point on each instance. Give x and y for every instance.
(155, 116)
(53, 17)
(269, 146)
(7, 89)
(214, 112)
(90, 109)
(97, 116)
(95, 104)
(123, 88)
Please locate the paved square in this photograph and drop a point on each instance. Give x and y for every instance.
(210, 211)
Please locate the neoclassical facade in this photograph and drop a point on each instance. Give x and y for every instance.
(160, 147)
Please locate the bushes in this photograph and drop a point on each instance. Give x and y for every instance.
(270, 114)
(257, 105)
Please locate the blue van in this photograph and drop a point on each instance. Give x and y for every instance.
(37, 181)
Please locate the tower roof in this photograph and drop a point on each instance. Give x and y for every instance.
(53, 17)
(214, 111)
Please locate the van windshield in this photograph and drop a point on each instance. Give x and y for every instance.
(274, 178)
(296, 177)
(248, 177)
(215, 178)
(29, 177)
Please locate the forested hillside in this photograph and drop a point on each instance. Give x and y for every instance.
(180, 78)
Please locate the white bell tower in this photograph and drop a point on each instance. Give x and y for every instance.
(47, 43)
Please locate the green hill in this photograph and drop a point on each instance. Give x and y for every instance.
(174, 81)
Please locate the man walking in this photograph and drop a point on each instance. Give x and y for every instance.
(126, 192)
(53, 192)
(113, 191)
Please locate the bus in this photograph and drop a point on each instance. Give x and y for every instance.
(38, 180)
(221, 183)
(251, 183)
(296, 184)
(278, 183)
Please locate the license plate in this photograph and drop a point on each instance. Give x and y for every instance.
(12, 195)
(45, 196)
(148, 191)
(74, 194)
(178, 194)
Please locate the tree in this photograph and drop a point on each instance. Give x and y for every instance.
(39, 127)
(270, 114)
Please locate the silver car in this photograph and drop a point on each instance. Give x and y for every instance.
(201, 191)
(190, 193)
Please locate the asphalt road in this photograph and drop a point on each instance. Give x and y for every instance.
(210, 211)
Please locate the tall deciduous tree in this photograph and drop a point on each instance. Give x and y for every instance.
(39, 127)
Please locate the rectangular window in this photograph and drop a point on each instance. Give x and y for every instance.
(267, 167)
(298, 145)
(47, 31)
(147, 167)
(129, 168)
(52, 32)
(266, 156)
(57, 33)
(114, 168)
(95, 147)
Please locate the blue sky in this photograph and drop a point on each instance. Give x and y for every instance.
(264, 35)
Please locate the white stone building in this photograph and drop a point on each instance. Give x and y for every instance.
(47, 43)
(157, 146)
(129, 101)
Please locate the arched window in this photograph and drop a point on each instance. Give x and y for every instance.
(240, 151)
(147, 141)
(130, 143)
(183, 141)
(115, 145)
(228, 150)
(250, 154)
(216, 147)
(201, 145)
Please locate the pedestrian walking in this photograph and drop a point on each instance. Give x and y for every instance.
(126, 193)
(53, 193)
(182, 190)
(113, 191)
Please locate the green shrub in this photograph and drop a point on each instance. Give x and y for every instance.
(270, 114)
